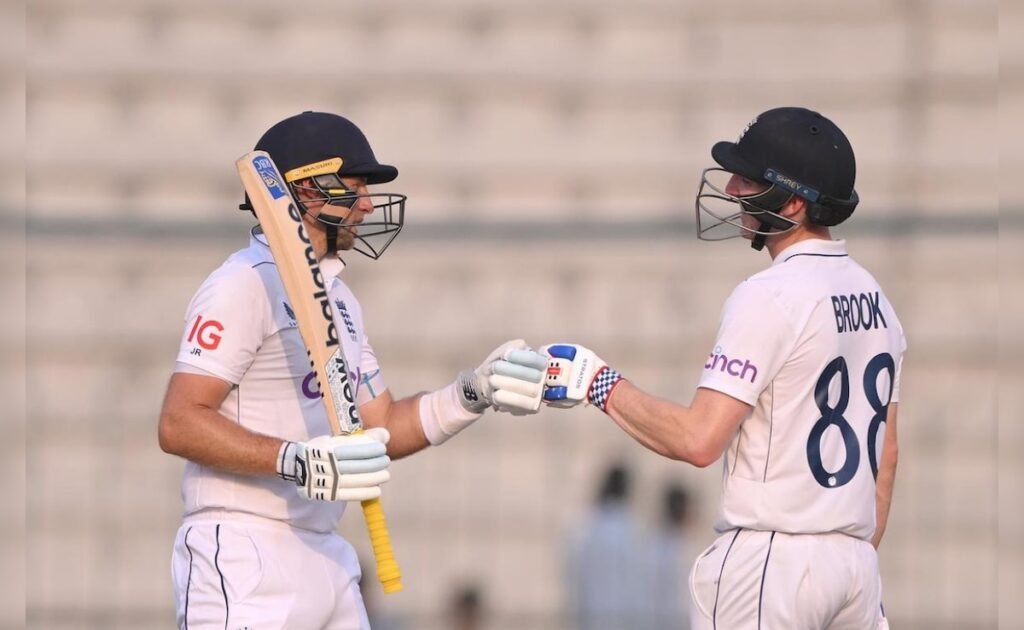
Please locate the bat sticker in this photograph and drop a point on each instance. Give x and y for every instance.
(266, 169)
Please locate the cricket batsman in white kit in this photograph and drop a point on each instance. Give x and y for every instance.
(265, 483)
(799, 392)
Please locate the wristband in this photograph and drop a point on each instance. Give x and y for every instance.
(601, 388)
(286, 461)
(442, 414)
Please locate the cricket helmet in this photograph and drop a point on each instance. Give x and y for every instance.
(314, 151)
(794, 152)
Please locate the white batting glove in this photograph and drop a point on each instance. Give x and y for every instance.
(337, 467)
(510, 379)
(576, 375)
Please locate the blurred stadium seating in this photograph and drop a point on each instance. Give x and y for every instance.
(552, 144)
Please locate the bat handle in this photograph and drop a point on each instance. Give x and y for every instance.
(388, 573)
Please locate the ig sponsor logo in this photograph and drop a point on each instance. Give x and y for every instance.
(205, 333)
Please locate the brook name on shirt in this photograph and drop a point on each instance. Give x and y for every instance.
(859, 311)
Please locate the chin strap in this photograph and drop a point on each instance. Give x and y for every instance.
(758, 241)
(769, 221)
(332, 238)
(330, 231)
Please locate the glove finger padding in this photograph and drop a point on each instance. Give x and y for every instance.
(360, 450)
(364, 480)
(343, 467)
(514, 386)
(356, 466)
(528, 359)
(517, 382)
(512, 366)
(517, 371)
(505, 350)
(357, 494)
(517, 404)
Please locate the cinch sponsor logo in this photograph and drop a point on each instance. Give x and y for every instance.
(202, 333)
(743, 369)
(861, 311)
(310, 389)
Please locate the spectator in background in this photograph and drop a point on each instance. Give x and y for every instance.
(668, 558)
(466, 612)
(606, 557)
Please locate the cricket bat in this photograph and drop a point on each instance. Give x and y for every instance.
(297, 264)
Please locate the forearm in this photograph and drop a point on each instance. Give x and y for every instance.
(883, 491)
(202, 435)
(886, 479)
(403, 422)
(662, 426)
(510, 379)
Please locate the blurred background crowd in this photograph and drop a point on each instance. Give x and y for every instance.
(552, 144)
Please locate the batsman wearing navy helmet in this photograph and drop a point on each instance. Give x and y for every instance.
(799, 392)
(265, 482)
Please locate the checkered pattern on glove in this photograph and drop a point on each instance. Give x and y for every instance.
(602, 387)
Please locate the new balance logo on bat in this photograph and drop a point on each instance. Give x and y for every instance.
(320, 295)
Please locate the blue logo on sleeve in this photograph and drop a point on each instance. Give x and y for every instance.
(270, 178)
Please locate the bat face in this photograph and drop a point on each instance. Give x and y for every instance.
(303, 281)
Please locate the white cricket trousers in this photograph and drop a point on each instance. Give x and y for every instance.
(756, 580)
(256, 574)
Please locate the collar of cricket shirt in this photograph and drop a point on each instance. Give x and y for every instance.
(331, 265)
(812, 247)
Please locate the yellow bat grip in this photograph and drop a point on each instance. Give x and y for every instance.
(388, 573)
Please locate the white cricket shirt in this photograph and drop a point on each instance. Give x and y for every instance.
(240, 328)
(813, 344)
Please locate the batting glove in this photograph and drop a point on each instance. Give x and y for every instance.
(510, 379)
(337, 467)
(576, 375)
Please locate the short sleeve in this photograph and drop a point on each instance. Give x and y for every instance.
(226, 323)
(754, 340)
(371, 381)
(898, 377)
